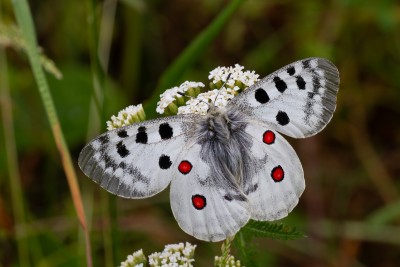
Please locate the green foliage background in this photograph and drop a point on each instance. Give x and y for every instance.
(350, 210)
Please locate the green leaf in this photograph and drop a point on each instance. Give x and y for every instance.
(271, 230)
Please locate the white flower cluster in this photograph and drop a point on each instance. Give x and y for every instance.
(226, 83)
(238, 79)
(230, 262)
(170, 100)
(176, 255)
(137, 259)
(202, 102)
(127, 116)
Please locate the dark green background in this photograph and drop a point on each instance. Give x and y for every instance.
(350, 210)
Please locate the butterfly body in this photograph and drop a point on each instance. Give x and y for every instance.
(224, 145)
(227, 166)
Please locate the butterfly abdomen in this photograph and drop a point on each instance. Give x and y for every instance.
(225, 148)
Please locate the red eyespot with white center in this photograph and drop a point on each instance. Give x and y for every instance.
(185, 167)
(199, 202)
(269, 137)
(277, 173)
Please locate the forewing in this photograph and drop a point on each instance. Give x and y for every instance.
(298, 100)
(139, 160)
(204, 208)
(278, 182)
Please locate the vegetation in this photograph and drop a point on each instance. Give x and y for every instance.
(67, 66)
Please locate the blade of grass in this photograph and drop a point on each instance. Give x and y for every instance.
(25, 22)
(99, 45)
(12, 163)
(98, 75)
(386, 214)
(357, 230)
(191, 53)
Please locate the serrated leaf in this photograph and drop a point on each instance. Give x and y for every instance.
(271, 230)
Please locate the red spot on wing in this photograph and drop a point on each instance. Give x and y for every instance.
(199, 202)
(277, 173)
(185, 167)
(269, 137)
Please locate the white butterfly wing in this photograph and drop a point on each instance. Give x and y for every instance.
(205, 209)
(278, 182)
(298, 100)
(139, 160)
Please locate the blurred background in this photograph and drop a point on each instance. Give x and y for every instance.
(129, 51)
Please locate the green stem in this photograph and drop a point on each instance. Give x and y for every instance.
(25, 22)
(225, 251)
(12, 163)
(99, 57)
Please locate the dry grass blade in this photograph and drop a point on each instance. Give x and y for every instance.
(25, 23)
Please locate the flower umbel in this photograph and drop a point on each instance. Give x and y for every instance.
(226, 83)
(175, 255)
(170, 100)
(200, 104)
(137, 259)
(230, 262)
(127, 116)
(238, 80)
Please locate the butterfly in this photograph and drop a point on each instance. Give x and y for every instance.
(228, 166)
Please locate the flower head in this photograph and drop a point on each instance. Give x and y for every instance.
(174, 97)
(229, 262)
(127, 116)
(175, 255)
(238, 80)
(137, 259)
(201, 103)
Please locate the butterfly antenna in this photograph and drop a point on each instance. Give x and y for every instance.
(226, 80)
(182, 94)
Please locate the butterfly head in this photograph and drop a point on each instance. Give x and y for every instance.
(219, 124)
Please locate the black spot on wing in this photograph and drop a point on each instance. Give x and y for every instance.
(122, 165)
(141, 136)
(280, 84)
(104, 139)
(300, 82)
(261, 96)
(109, 162)
(122, 133)
(121, 149)
(165, 131)
(164, 162)
(291, 71)
(306, 64)
(282, 118)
